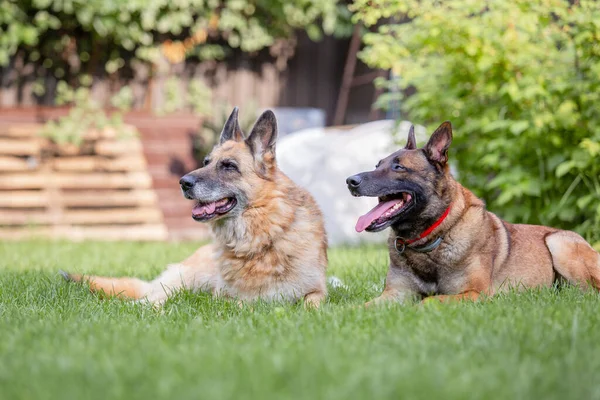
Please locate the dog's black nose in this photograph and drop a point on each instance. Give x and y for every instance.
(354, 181)
(187, 182)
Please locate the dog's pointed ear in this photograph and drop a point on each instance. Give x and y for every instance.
(264, 135)
(231, 130)
(411, 143)
(436, 148)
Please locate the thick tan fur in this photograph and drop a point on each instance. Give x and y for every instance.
(480, 254)
(275, 248)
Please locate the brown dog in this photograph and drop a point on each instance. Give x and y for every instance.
(269, 236)
(444, 243)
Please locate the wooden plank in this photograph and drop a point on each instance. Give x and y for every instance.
(151, 232)
(23, 199)
(101, 198)
(176, 146)
(82, 217)
(92, 163)
(110, 133)
(15, 164)
(21, 147)
(344, 93)
(66, 149)
(98, 180)
(117, 216)
(109, 198)
(125, 163)
(20, 217)
(117, 147)
(20, 130)
(75, 164)
(31, 130)
(244, 83)
(268, 86)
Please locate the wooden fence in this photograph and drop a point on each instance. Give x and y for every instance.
(99, 190)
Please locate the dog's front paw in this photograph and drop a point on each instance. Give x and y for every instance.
(433, 300)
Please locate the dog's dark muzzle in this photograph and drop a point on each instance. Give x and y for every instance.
(356, 184)
(354, 181)
(187, 183)
(376, 184)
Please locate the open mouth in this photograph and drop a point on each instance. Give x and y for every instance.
(386, 212)
(207, 211)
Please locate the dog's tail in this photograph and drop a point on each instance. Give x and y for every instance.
(197, 272)
(126, 288)
(574, 259)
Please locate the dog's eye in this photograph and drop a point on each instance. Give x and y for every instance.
(229, 166)
(206, 162)
(398, 167)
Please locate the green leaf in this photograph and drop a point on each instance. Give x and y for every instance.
(505, 197)
(564, 168)
(567, 214)
(582, 202)
(519, 127)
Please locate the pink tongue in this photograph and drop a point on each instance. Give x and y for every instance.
(202, 209)
(378, 211)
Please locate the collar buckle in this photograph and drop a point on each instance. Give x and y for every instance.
(400, 241)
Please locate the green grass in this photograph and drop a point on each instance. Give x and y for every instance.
(58, 341)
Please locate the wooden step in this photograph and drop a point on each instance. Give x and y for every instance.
(94, 163)
(145, 232)
(16, 164)
(100, 190)
(117, 147)
(20, 130)
(109, 198)
(92, 180)
(90, 199)
(20, 147)
(13, 217)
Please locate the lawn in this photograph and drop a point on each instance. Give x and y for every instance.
(58, 341)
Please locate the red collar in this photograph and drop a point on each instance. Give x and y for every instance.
(437, 223)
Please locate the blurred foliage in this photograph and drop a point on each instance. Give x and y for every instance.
(520, 81)
(211, 128)
(86, 115)
(196, 98)
(72, 36)
(75, 41)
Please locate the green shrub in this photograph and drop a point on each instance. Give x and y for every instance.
(72, 36)
(86, 114)
(520, 80)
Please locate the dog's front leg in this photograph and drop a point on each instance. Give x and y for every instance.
(196, 273)
(476, 278)
(470, 295)
(313, 299)
(398, 288)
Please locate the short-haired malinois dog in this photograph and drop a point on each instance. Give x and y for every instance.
(445, 245)
(269, 236)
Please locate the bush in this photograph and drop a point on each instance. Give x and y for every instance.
(86, 115)
(74, 36)
(520, 80)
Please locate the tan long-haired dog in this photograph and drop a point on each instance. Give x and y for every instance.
(445, 244)
(269, 236)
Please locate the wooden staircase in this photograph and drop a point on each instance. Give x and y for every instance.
(99, 190)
